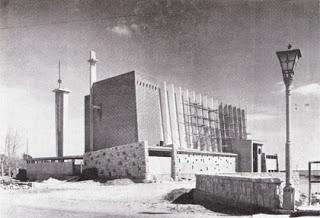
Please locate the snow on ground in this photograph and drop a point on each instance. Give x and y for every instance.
(117, 198)
(94, 199)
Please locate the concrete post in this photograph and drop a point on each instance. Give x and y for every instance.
(180, 116)
(193, 120)
(61, 112)
(93, 78)
(173, 162)
(173, 116)
(187, 114)
(207, 131)
(165, 114)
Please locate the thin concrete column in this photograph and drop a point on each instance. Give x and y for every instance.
(93, 78)
(180, 115)
(161, 122)
(226, 121)
(61, 113)
(240, 123)
(187, 116)
(199, 119)
(235, 123)
(173, 116)
(230, 115)
(217, 125)
(193, 114)
(244, 125)
(165, 114)
(222, 123)
(206, 128)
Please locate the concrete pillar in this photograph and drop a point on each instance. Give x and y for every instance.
(235, 123)
(161, 123)
(244, 124)
(240, 123)
(187, 119)
(230, 119)
(165, 114)
(226, 121)
(193, 114)
(173, 116)
(199, 120)
(217, 126)
(93, 78)
(222, 123)
(206, 128)
(174, 162)
(61, 112)
(181, 122)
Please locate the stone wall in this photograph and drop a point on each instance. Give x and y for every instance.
(41, 171)
(124, 161)
(189, 163)
(248, 191)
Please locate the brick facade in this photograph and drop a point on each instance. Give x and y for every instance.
(116, 122)
(129, 112)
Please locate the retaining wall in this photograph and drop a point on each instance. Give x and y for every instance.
(124, 161)
(248, 191)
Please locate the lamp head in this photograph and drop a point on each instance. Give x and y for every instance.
(288, 60)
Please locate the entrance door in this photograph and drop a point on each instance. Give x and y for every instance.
(257, 157)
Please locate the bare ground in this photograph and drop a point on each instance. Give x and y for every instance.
(53, 198)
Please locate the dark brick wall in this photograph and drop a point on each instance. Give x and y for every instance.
(116, 123)
(148, 110)
(86, 124)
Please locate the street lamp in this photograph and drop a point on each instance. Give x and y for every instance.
(288, 59)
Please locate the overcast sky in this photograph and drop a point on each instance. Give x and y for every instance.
(225, 49)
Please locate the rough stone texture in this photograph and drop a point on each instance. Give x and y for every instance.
(125, 161)
(189, 163)
(250, 190)
(40, 171)
(282, 176)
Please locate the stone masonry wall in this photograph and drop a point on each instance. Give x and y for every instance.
(189, 163)
(124, 161)
(240, 190)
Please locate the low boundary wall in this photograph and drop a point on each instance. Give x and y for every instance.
(58, 170)
(189, 163)
(124, 161)
(254, 191)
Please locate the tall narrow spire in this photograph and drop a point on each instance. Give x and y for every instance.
(59, 80)
(61, 112)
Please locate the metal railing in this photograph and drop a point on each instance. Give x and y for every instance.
(310, 177)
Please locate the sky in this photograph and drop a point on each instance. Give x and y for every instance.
(222, 48)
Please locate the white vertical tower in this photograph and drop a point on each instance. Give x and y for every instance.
(61, 112)
(93, 78)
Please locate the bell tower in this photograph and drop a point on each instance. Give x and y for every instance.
(61, 112)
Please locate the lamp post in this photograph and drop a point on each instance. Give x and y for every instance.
(288, 59)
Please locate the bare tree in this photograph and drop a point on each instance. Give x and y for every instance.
(11, 145)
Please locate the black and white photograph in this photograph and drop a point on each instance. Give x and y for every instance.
(159, 108)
